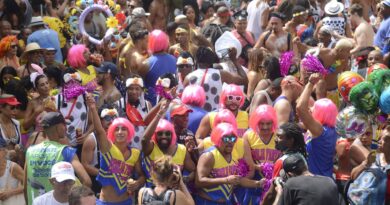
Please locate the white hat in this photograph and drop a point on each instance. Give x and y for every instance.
(334, 7)
(36, 21)
(62, 171)
(139, 12)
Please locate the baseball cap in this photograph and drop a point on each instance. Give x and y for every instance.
(293, 162)
(62, 171)
(139, 12)
(107, 67)
(180, 110)
(386, 2)
(51, 119)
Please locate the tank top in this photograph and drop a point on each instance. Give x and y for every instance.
(221, 168)
(86, 78)
(336, 23)
(292, 114)
(212, 85)
(261, 151)
(238, 148)
(15, 139)
(115, 170)
(265, 93)
(7, 181)
(39, 159)
(148, 161)
(241, 119)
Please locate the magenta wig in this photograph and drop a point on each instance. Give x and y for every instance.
(158, 41)
(165, 125)
(231, 89)
(120, 122)
(194, 95)
(76, 58)
(225, 115)
(325, 112)
(221, 130)
(263, 113)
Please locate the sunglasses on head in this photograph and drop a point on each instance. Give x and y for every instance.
(166, 133)
(234, 98)
(227, 139)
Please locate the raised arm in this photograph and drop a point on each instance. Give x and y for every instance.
(100, 133)
(310, 123)
(147, 144)
(240, 78)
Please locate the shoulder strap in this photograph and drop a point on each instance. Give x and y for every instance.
(203, 78)
(244, 38)
(167, 196)
(59, 102)
(288, 41)
(266, 37)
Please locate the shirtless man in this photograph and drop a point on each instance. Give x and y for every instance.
(276, 40)
(158, 14)
(364, 33)
(369, 8)
(336, 60)
(138, 52)
(106, 79)
(299, 17)
(183, 42)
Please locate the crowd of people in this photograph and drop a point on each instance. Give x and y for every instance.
(194, 102)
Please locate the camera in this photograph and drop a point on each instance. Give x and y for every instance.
(280, 181)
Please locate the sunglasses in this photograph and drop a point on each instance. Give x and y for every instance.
(166, 133)
(227, 139)
(234, 98)
(14, 46)
(184, 66)
(109, 118)
(13, 107)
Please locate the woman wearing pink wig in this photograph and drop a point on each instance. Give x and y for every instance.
(78, 57)
(320, 123)
(117, 161)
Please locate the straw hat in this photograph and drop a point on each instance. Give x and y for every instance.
(29, 48)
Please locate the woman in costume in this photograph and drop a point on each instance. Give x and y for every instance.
(8, 49)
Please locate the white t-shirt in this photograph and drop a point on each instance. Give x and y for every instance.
(47, 198)
(254, 17)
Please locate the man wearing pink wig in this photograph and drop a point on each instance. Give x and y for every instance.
(159, 140)
(117, 161)
(232, 98)
(320, 122)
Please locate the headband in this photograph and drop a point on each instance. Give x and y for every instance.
(70, 76)
(111, 112)
(181, 30)
(135, 81)
(185, 61)
(33, 77)
(299, 13)
(165, 82)
(224, 13)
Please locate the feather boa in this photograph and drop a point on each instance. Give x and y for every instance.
(266, 171)
(73, 89)
(159, 89)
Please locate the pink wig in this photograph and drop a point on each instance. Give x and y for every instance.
(221, 130)
(194, 95)
(165, 125)
(158, 41)
(231, 89)
(75, 57)
(325, 112)
(263, 113)
(120, 121)
(225, 115)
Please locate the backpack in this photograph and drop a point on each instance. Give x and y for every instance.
(369, 187)
(162, 199)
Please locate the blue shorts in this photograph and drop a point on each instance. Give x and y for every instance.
(126, 202)
(201, 201)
